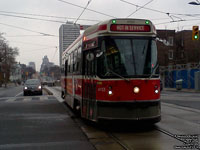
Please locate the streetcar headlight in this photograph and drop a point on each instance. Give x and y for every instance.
(110, 92)
(136, 90)
(156, 91)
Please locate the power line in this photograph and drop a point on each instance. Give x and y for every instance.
(32, 18)
(143, 7)
(44, 34)
(139, 8)
(177, 21)
(87, 8)
(66, 18)
(32, 43)
(34, 50)
(54, 54)
(158, 11)
(83, 11)
(21, 35)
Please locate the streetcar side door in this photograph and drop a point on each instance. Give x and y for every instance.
(89, 85)
(65, 79)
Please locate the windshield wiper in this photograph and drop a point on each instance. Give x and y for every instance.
(111, 71)
(153, 71)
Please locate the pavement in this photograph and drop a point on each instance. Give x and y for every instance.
(8, 85)
(182, 90)
(39, 123)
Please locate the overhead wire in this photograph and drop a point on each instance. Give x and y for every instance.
(87, 9)
(32, 43)
(33, 18)
(48, 16)
(41, 49)
(21, 35)
(54, 54)
(169, 14)
(139, 8)
(83, 11)
(42, 33)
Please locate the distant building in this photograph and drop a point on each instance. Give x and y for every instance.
(32, 65)
(67, 34)
(45, 64)
(16, 73)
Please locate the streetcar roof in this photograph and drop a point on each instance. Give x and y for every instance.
(131, 24)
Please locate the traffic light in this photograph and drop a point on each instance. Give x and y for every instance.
(195, 33)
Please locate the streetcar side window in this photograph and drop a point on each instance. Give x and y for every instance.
(66, 66)
(72, 61)
(69, 63)
(79, 60)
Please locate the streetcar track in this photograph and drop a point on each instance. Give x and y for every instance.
(169, 134)
(174, 136)
(117, 140)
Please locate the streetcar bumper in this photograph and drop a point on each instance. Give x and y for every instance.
(136, 111)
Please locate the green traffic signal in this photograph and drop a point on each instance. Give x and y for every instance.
(196, 37)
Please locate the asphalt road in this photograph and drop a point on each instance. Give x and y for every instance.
(38, 123)
(185, 99)
(10, 91)
(179, 128)
(44, 122)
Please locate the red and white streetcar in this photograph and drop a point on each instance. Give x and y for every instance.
(111, 72)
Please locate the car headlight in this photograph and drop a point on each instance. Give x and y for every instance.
(25, 88)
(39, 87)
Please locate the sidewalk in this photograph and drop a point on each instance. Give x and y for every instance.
(8, 85)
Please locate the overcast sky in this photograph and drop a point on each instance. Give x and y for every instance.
(33, 45)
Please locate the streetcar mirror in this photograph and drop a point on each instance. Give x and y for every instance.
(90, 56)
(99, 54)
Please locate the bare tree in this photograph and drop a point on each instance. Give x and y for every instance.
(7, 60)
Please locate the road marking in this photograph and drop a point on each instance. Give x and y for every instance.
(18, 94)
(12, 99)
(55, 93)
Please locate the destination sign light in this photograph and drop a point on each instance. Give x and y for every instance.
(130, 28)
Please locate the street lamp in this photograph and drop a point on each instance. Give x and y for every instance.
(194, 3)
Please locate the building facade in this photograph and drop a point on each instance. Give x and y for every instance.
(178, 57)
(32, 65)
(67, 34)
(175, 48)
(45, 64)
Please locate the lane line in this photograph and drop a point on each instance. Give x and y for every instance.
(18, 94)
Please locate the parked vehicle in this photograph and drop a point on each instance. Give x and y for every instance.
(32, 86)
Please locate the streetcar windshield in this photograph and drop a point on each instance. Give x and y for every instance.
(128, 56)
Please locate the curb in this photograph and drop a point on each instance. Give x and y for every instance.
(183, 90)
